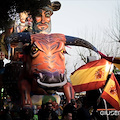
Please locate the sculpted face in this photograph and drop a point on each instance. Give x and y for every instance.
(42, 22)
(23, 16)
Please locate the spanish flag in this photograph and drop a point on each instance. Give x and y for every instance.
(111, 92)
(90, 76)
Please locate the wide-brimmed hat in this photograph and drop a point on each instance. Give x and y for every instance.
(33, 6)
(45, 5)
(55, 5)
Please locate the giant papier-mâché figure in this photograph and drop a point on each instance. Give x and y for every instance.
(43, 56)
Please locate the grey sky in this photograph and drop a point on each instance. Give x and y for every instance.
(81, 18)
(80, 15)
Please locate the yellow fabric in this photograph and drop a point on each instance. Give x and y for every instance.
(110, 89)
(93, 74)
(117, 65)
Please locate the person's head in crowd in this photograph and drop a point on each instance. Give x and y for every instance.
(67, 116)
(79, 104)
(49, 106)
(73, 102)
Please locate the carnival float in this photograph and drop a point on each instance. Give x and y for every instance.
(37, 67)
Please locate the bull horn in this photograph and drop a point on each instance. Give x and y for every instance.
(74, 41)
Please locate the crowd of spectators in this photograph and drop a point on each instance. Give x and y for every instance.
(77, 109)
(65, 111)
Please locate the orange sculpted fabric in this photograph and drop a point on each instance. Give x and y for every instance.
(90, 76)
(48, 52)
(111, 92)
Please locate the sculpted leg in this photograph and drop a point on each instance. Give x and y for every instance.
(68, 91)
(25, 89)
(26, 112)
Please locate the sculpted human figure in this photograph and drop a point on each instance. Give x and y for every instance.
(22, 25)
(25, 23)
(43, 59)
(42, 23)
(47, 65)
(42, 16)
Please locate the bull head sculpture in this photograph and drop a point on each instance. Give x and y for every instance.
(48, 59)
(44, 64)
(47, 55)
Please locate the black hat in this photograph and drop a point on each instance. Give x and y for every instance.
(55, 6)
(44, 4)
(33, 6)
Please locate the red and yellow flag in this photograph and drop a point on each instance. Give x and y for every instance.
(90, 76)
(117, 64)
(111, 92)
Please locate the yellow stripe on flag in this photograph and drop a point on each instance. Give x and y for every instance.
(92, 73)
(111, 92)
(117, 65)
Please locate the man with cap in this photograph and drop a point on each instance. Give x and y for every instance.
(42, 16)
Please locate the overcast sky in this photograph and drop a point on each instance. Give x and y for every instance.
(76, 16)
(82, 18)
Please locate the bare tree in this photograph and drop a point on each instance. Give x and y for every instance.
(113, 33)
(83, 53)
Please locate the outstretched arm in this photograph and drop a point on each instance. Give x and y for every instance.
(15, 38)
(23, 37)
